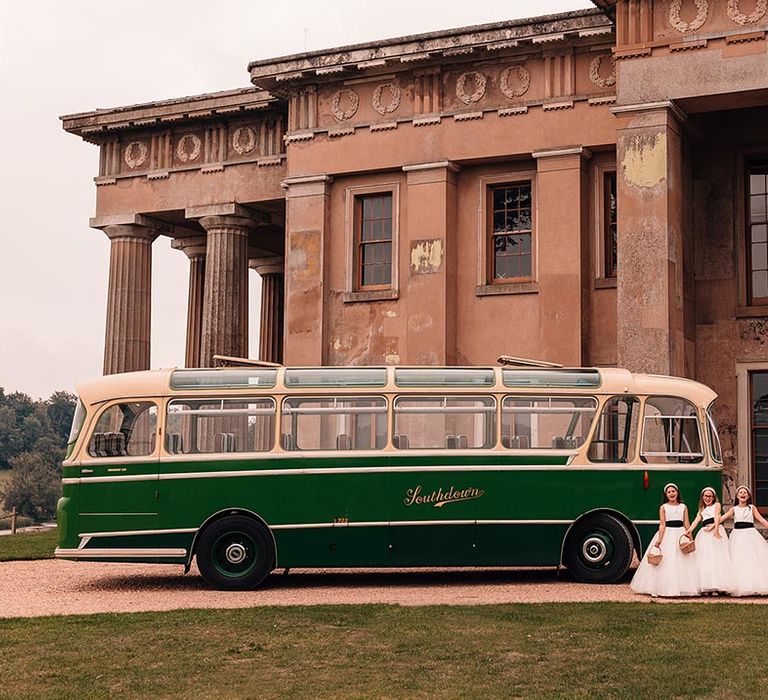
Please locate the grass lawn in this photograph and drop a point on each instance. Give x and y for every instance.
(28, 545)
(554, 650)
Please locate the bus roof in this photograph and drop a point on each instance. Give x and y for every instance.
(259, 380)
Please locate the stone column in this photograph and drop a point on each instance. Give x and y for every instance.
(129, 299)
(650, 300)
(306, 250)
(562, 253)
(194, 247)
(225, 294)
(271, 271)
(429, 241)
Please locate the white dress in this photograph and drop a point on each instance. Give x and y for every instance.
(712, 557)
(749, 555)
(676, 574)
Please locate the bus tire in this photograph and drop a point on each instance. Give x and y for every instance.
(598, 549)
(235, 553)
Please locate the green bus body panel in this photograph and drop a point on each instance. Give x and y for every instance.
(370, 518)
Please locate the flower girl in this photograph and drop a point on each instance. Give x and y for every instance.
(749, 551)
(713, 560)
(676, 574)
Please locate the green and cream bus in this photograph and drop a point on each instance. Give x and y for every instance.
(249, 468)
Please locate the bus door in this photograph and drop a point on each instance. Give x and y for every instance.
(119, 480)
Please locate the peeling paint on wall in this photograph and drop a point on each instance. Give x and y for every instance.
(426, 256)
(645, 160)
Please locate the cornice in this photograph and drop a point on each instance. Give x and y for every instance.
(479, 42)
(92, 125)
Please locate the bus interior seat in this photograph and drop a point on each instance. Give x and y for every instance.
(558, 443)
(343, 442)
(451, 442)
(286, 441)
(175, 443)
(400, 442)
(462, 442)
(225, 442)
(573, 442)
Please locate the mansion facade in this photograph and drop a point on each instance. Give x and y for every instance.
(588, 188)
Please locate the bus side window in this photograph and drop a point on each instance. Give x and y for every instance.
(125, 430)
(670, 432)
(616, 433)
(546, 422)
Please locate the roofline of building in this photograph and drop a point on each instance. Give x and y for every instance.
(416, 47)
(226, 102)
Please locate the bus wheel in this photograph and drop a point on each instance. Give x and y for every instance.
(598, 549)
(235, 553)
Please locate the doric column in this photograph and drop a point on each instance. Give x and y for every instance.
(129, 299)
(272, 273)
(650, 295)
(194, 247)
(225, 294)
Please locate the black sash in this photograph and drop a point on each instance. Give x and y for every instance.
(743, 526)
(675, 523)
(707, 521)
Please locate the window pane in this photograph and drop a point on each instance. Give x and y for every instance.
(525, 266)
(220, 425)
(332, 376)
(436, 422)
(229, 378)
(670, 432)
(760, 398)
(758, 208)
(499, 198)
(759, 234)
(334, 423)
(757, 183)
(760, 256)
(616, 433)
(366, 230)
(533, 422)
(367, 207)
(125, 430)
(453, 376)
(387, 229)
(760, 284)
(499, 222)
(387, 206)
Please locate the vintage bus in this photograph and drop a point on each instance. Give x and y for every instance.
(249, 468)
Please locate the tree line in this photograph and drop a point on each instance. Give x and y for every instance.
(33, 441)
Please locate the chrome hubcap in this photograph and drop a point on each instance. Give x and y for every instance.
(235, 553)
(594, 550)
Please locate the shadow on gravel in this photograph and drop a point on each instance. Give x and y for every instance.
(355, 579)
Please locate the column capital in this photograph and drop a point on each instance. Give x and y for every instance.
(192, 246)
(131, 219)
(646, 107)
(565, 151)
(274, 265)
(307, 186)
(239, 224)
(130, 231)
(228, 209)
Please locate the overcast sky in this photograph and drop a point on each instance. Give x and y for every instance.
(63, 57)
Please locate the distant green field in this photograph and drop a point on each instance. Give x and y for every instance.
(28, 545)
(595, 650)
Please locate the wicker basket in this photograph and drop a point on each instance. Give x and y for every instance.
(687, 545)
(655, 556)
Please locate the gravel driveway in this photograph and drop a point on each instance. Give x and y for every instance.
(50, 587)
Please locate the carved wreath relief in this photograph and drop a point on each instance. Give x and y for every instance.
(594, 72)
(244, 140)
(354, 101)
(702, 8)
(523, 81)
(461, 87)
(188, 148)
(136, 154)
(393, 92)
(740, 18)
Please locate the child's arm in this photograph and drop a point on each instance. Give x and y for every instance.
(727, 515)
(759, 517)
(695, 522)
(716, 526)
(686, 521)
(662, 526)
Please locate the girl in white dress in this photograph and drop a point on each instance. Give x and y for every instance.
(713, 560)
(749, 551)
(676, 574)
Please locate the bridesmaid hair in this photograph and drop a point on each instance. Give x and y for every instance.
(701, 498)
(666, 500)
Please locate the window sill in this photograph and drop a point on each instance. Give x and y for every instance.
(377, 295)
(489, 290)
(605, 283)
(751, 311)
